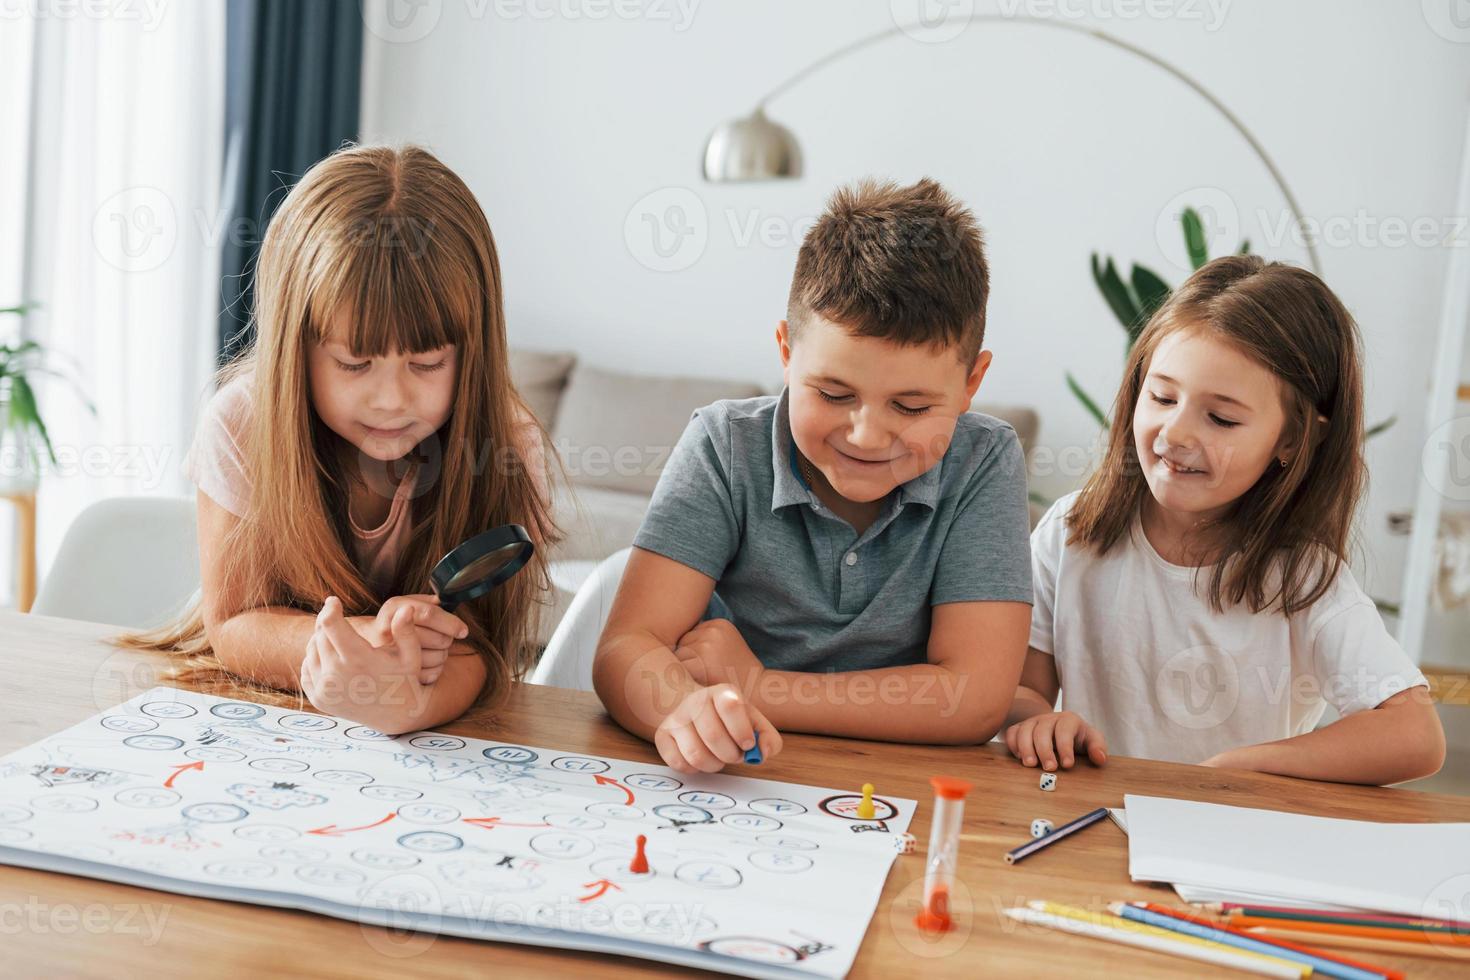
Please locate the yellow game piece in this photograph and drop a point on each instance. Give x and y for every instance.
(865, 808)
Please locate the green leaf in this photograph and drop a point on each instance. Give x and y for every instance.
(1194, 238)
(23, 409)
(20, 310)
(1118, 298)
(1151, 292)
(1086, 401)
(1383, 426)
(1245, 247)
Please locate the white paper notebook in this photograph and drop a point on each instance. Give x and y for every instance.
(1400, 868)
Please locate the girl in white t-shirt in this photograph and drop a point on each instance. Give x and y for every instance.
(1193, 603)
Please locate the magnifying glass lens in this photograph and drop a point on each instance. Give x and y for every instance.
(483, 567)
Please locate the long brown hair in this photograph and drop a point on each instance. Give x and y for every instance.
(1284, 540)
(394, 242)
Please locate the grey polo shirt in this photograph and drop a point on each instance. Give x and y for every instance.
(808, 593)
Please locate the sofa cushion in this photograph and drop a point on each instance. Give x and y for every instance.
(616, 430)
(540, 377)
(595, 522)
(1023, 420)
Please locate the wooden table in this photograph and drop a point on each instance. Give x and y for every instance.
(55, 673)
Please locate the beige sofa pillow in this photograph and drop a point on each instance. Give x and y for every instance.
(540, 377)
(616, 430)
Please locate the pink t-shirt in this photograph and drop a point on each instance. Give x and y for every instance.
(216, 464)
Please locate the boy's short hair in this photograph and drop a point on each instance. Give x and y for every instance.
(906, 264)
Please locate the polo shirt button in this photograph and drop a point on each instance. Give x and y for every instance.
(851, 558)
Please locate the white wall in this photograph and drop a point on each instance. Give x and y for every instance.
(563, 115)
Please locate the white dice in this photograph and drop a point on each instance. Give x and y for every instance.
(904, 843)
(1040, 828)
(1049, 781)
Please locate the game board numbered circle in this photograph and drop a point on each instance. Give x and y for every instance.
(278, 765)
(342, 777)
(154, 743)
(574, 821)
(362, 733)
(13, 813)
(385, 860)
(497, 872)
(708, 874)
(428, 813)
(237, 711)
(845, 805)
(788, 842)
(780, 862)
(515, 755)
(707, 800)
(682, 813)
(147, 797)
(63, 803)
(669, 923)
(214, 812)
(615, 811)
(242, 870)
(390, 794)
(615, 869)
(267, 833)
(431, 841)
(753, 823)
(752, 948)
(781, 809)
(562, 846)
(436, 743)
(14, 835)
(128, 724)
(169, 709)
(214, 753)
(331, 875)
(580, 764)
(651, 782)
(295, 853)
(306, 723)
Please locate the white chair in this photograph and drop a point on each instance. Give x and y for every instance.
(567, 660)
(129, 561)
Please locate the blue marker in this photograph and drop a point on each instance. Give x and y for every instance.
(753, 754)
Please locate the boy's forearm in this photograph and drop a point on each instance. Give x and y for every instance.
(639, 681)
(1375, 747)
(923, 703)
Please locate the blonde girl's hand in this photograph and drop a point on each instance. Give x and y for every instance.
(379, 686)
(435, 628)
(1055, 738)
(711, 728)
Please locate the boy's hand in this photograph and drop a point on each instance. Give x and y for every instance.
(713, 727)
(435, 629)
(343, 674)
(714, 652)
(1055, 736)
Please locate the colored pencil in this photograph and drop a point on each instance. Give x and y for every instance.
(1349, 919)
(1191, 926)
(1233, 908)
(1110, 921)
(1066, 829)
(1367, 932)
(1361, 942)
(1219, 956)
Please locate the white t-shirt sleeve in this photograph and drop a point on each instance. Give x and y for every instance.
(1351, 654)
(1048, 542)
(215, 462)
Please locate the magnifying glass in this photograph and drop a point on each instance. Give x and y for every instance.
(480, 564)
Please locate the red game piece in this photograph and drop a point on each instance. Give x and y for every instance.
(640, 860)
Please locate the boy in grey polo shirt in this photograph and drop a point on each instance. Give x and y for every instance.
(850, 557)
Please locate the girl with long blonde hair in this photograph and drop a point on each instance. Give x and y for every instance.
(370, 428)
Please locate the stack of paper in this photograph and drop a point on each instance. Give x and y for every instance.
(1214, 853)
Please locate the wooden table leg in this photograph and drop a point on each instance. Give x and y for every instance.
(25, 549)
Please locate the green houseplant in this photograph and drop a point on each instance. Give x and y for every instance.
(22, 430)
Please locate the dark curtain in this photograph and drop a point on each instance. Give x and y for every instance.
(291, 97)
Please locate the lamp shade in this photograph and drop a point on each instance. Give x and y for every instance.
(751, 148)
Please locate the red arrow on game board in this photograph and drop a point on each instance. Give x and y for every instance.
(332, 830)
(167, 783)
(602, 885)
(609, 781)
(490, 823)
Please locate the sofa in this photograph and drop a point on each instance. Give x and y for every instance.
(612, 432)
